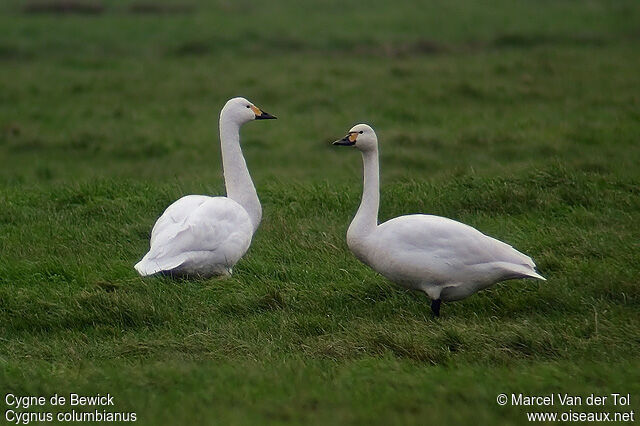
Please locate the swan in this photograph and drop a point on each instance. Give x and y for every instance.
(445, 259)
(205, 236)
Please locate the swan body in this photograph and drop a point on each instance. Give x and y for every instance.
(445, 259)
(198, 235)
(205, 236)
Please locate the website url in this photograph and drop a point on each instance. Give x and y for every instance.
(573, 416)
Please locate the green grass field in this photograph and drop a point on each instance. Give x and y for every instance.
(521, 118)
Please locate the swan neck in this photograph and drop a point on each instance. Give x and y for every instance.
(366, 219)
(237, 179)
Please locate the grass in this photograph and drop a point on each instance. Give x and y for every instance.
(520, 119)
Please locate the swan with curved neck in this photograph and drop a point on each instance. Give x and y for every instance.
(445, 259)
(205, 236)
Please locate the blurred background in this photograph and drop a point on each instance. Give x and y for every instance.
(134, 88)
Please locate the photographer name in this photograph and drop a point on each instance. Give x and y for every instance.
(569, 400)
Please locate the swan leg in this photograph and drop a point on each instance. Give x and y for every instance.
(435, 307)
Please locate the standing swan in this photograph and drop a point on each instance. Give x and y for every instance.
(205, 236)
(447, 260)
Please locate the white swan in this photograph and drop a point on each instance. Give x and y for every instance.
(205, 236)
(445, 259)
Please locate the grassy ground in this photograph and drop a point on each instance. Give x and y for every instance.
(520, 119)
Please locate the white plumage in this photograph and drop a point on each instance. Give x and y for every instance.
(198, 235)
(445, 259)
(205, 236)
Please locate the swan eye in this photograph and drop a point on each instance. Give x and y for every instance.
(361, 132)
(248, 106)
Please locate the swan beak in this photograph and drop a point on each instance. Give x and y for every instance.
(262, 115)
(265, 116)
(348, 140)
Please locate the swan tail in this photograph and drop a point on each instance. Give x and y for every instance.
(146, 268)
(150, 266)
(522, 271)
(536, 275)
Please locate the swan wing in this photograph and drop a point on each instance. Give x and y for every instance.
(447, 248)
(178, 212)
(199, 229)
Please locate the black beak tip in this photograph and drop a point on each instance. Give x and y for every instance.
(266, 116)
(343, 142)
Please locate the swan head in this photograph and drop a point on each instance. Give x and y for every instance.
(361, 136)
(242, 111)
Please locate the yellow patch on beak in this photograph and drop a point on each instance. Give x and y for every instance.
(353, 136)
(256, 110)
